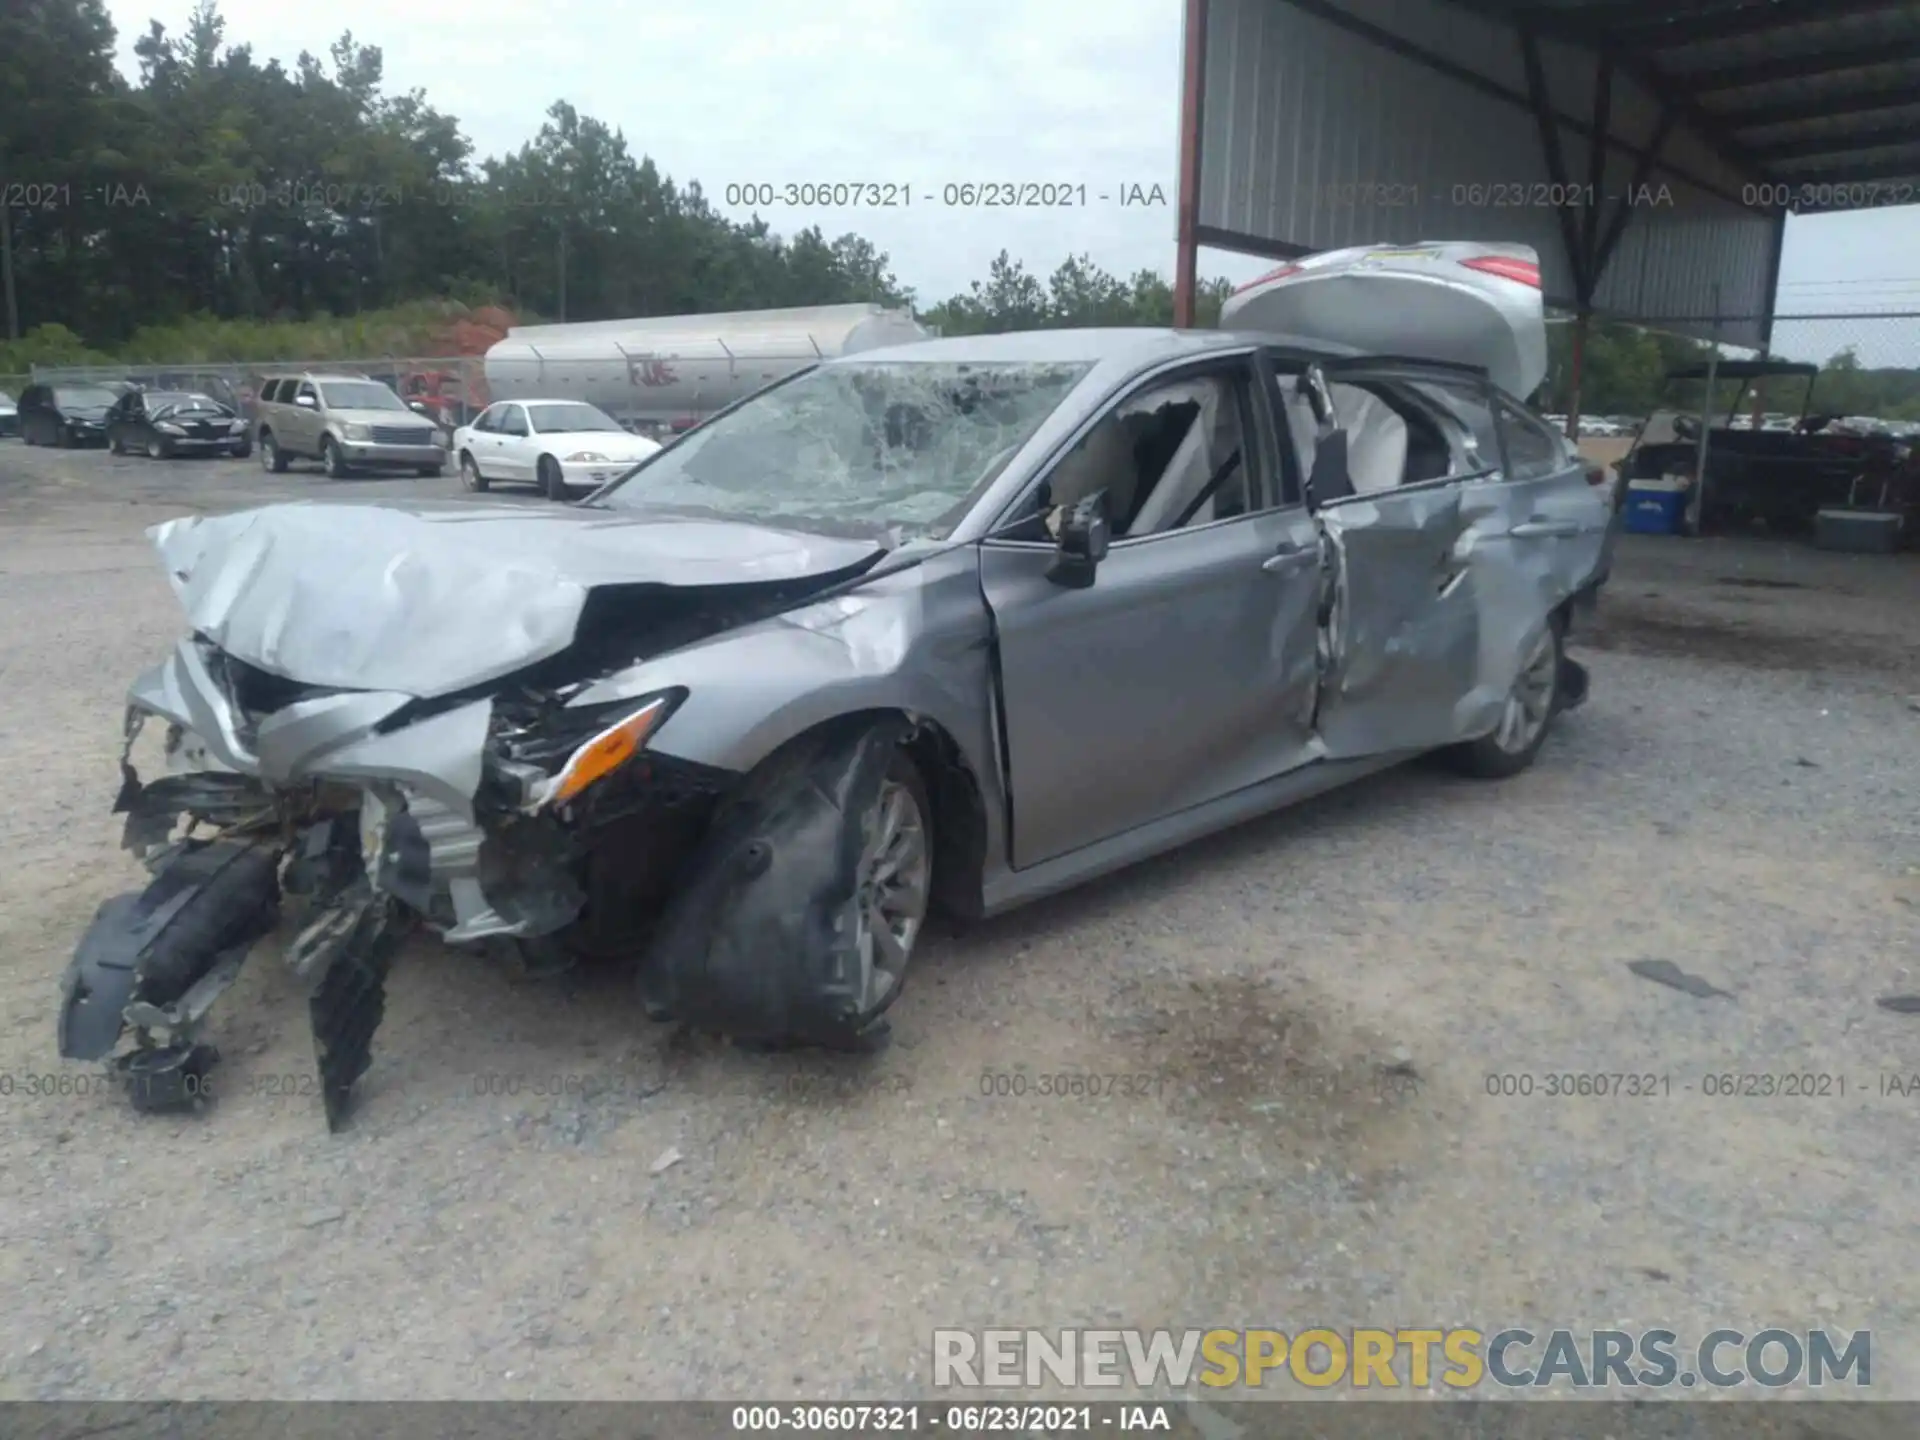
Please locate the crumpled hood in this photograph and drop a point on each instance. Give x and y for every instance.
(427, 599)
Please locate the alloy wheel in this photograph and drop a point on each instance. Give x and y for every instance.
(896, 869)
(1530, 702)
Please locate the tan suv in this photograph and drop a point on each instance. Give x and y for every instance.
(347, 423)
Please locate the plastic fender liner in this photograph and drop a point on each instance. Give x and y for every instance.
(349, 995)
(152, 946)
(758, 943)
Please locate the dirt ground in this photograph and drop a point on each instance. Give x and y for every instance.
(1737, 799)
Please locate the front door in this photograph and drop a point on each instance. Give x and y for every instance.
(1186, 670)
(511, 446)
(303, 416)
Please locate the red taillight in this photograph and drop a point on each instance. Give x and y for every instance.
(1280, 274)
(1507, 268)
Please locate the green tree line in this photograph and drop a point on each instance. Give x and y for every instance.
(221, 207)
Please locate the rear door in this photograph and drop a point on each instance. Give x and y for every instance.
(121, 420)
(36, 424)
(1403, 626)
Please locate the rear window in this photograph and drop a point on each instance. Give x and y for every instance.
(1533, 451)
(83, 395)
(360, 395)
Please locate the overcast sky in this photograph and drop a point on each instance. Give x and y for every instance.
(920, 92)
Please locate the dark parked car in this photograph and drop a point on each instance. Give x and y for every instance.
(163, 423)
(65, 414)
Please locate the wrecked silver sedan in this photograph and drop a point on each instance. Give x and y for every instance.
(942, 627)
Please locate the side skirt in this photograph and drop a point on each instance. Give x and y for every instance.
(1018, 887)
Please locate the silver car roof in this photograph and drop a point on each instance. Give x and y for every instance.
(1122, 346)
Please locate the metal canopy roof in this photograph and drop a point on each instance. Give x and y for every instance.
(1818, 97)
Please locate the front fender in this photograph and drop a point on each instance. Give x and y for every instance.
(919, 642)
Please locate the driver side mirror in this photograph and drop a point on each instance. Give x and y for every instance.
(306, 402)
(1085, 533)
(418, 407)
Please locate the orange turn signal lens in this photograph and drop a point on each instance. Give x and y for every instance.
(606, 752)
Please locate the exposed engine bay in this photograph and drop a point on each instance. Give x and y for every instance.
(497, 816)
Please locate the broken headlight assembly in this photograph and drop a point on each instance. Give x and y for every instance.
(548, 756)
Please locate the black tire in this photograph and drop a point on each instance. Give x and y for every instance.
(332, 461)
(552, 483)
(712, 960)
(158, 449)
(242, 450)
(1492, 758)
(114, 444)
(470, 475)
(432, 472)
(272, 458)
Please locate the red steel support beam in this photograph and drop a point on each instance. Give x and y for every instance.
(1186, 265)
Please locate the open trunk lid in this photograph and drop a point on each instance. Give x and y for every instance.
(1460, 302)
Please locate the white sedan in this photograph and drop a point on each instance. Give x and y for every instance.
(557, 445)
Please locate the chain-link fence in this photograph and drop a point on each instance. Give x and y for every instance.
(1868, 379)
(452, 388)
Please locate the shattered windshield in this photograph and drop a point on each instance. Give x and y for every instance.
(569, 419)
(360, 395)
(885, 445)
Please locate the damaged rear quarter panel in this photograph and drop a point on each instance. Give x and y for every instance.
(1531, 545)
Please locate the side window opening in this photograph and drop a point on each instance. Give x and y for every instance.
(1391, 439)
(1171, 457)
(1533, 451)
(1471, 413)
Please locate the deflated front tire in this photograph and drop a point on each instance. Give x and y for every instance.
(799, 917)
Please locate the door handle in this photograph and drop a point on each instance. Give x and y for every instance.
(1287, 557)
(1545, 530)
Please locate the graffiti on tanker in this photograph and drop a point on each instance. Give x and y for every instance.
(650, 372)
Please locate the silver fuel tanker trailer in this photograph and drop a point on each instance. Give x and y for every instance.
(669, 372)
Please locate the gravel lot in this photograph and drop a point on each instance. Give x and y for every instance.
(1737, 799)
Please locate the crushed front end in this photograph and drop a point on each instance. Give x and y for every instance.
(504, 817)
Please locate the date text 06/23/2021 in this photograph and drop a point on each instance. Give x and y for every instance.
(981, 194)
(1004, 1418)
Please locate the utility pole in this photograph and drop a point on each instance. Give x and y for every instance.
(6, 269)
(563, 273)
